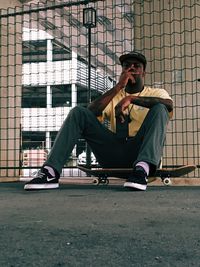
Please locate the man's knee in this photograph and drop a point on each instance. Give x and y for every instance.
(78, 109)
(160, 108)
(80, 113)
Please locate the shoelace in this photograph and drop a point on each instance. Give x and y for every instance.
(38, 174)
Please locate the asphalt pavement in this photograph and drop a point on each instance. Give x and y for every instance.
(108, 226)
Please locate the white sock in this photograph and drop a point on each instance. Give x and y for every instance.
(50, 170)
(144, 165)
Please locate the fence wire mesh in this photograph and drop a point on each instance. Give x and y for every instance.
(44, 72)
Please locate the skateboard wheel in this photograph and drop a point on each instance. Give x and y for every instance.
(167, 181)
(103, 180)
(106, 181)
(96, 181)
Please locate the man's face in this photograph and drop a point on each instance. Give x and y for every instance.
(134, 66)
(137, 70)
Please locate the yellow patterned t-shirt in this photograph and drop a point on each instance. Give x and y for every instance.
(137, 113)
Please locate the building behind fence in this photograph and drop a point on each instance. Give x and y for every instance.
(44, 71)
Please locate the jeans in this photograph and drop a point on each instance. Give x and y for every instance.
(110, 151)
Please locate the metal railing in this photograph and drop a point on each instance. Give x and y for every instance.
(167, 32)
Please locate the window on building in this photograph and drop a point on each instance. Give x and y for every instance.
(81, 59)
(33, 140)
(82, 96)
(34, 51)
(61, 52)
(61, 95)
(34, 97)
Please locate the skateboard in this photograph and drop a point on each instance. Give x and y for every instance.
(102, 174)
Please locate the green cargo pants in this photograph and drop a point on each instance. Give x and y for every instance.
(110, 151)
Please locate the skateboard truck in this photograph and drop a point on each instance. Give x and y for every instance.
(102, 179)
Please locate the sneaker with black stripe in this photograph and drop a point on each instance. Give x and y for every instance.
(43, 180)
(138, 180)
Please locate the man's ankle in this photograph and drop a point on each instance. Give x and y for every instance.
(142, 165)
(52, 171)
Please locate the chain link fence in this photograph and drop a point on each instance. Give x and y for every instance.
(44, 72)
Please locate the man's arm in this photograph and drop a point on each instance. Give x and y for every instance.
(147, 102)
(99, 104)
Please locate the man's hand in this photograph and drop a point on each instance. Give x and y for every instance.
(121, 107)
(125, 76)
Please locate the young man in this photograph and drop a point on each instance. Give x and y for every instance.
(138, 118)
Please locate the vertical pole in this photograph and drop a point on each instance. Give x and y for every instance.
(49, 93)
(88, 150)
(89, 65)
(89, 21)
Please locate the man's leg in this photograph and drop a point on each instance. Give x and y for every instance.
(76, 123)
(82, 123)
(79, 123)
(151, 138)
(152, 135)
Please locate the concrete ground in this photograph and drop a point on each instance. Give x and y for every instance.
(87, 225)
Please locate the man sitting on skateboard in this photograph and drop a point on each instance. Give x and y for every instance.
(138, 117)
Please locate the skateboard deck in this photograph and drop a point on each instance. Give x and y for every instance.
(102, 174)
